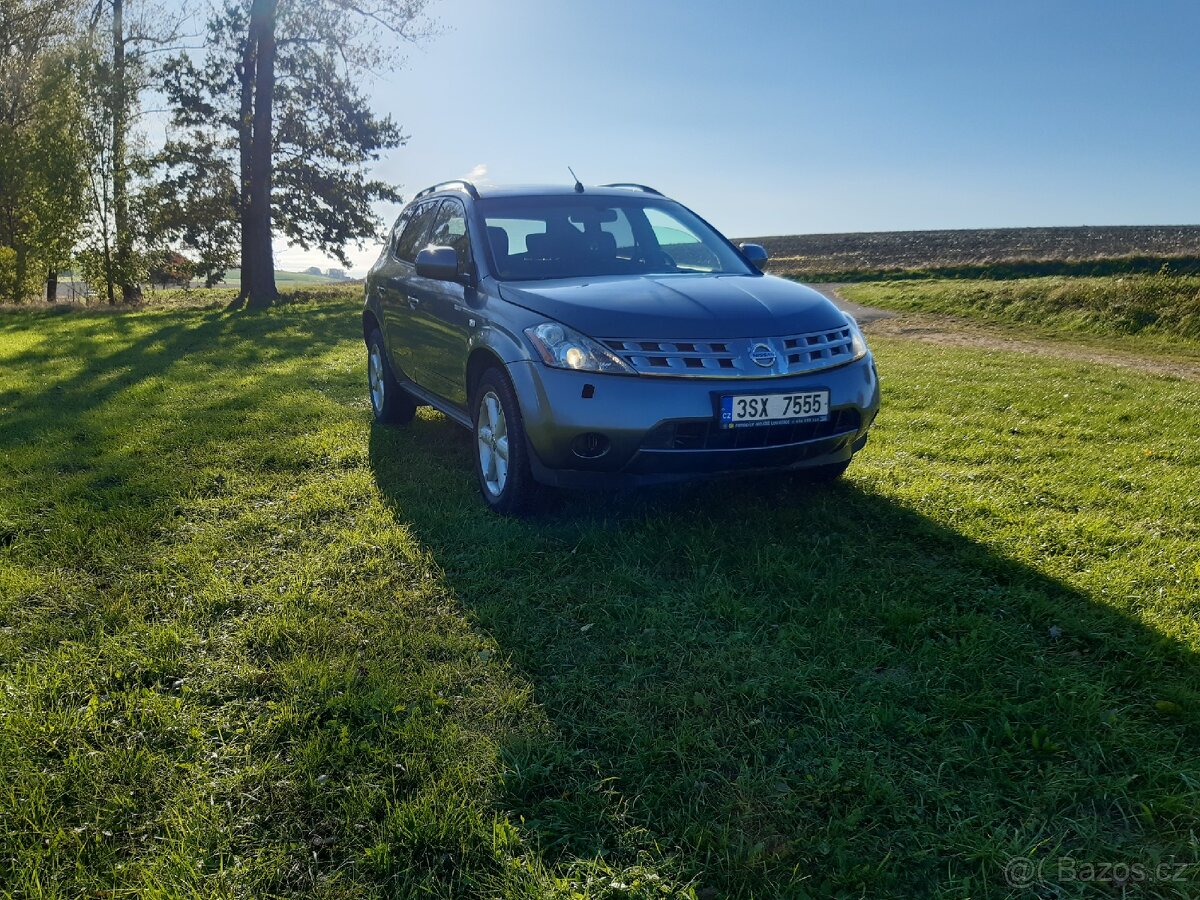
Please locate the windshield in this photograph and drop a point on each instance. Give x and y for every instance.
(534, 238)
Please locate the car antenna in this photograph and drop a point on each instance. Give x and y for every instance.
(578, 183)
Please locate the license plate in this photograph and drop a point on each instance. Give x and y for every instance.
(748, 410)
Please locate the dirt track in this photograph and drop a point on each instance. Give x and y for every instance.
(953, 332)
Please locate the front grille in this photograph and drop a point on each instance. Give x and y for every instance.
(707, 434)
(795, 355)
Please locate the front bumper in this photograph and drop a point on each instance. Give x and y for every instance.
(662, 429)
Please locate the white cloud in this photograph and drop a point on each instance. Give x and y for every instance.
(478, 174)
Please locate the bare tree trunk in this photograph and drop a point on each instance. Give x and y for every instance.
(123, 239)
(245, 74)
(52, 286)
(258, 265)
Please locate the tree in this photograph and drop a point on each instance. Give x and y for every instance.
(41, 159)
(113, 76)
(275, 100)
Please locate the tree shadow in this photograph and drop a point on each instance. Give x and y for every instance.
(776, 690)
(792, 690)
(86, 359)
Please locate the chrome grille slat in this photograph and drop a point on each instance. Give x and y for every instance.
(801, 353)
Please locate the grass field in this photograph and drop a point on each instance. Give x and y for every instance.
(283, 280)
(251, 644)
(1158, 312)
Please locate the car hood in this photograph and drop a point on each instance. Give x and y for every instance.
(678, 307)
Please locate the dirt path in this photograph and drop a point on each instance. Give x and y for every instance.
(952, 332)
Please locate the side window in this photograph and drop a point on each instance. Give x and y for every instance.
(398, 229)
(413, 238)
(450, 230)
(680, 243)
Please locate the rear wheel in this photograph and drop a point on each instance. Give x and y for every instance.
(389, 402)
(501, 456)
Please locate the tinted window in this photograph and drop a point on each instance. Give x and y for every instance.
(516, 231)
(681, 243)
(580, 235)
(398, 229)
(450, 230)
(621, 231)
(413, 238)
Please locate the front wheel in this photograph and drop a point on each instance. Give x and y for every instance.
(501, 457)
(389, 403)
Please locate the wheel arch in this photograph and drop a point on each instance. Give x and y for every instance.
(480, 360)
(369, 323)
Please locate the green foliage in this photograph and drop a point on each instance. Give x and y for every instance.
(192, 202)
(325, 136)
(251, 645)
(99, 258)
(1161, 305)
(10, 286)
(41, 158)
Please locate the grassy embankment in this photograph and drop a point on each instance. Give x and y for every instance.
(251, 644)
(1152, 312)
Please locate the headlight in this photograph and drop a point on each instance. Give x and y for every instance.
(565, 348)
(858, 344)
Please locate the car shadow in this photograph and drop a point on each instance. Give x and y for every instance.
(791, 689)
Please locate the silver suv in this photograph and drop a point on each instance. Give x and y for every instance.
(593, 336)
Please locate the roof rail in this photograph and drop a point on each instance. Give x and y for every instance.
(636, 187)
(466, 185)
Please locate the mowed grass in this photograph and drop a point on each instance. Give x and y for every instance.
(1156, 313)
(252, 645)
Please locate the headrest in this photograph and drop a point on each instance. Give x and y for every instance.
(603, 243)
(539, 244)
(498, 238)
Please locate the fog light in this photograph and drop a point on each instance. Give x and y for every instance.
(590, 445)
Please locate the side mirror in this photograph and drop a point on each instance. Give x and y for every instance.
(439, 263)
(755, 253)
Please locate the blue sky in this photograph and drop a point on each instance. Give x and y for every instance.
(796, 117)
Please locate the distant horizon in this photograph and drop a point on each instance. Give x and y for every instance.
(324, 263)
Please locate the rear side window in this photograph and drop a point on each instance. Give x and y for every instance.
(414, 236)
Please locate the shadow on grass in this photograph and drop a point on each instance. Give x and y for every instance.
(87, 359)
(791, 690)
(778, 691)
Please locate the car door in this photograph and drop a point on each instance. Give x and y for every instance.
(393, 284)
(442, 318)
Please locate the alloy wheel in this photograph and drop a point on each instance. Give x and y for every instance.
(491, 432)
(375, 377)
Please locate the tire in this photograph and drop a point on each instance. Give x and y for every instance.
(501, 454)
(390, 404)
